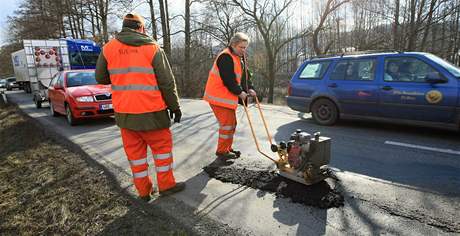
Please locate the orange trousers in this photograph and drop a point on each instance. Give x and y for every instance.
(160, 142)
(227, 125)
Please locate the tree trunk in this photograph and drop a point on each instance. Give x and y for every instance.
(412, 29)
(428, 25)
(187, 66)
(165, 27)
(103, 8)
(271, 78)
(396, 26)
(153, 20)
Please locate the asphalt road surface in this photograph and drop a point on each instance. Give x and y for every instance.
(395, 179)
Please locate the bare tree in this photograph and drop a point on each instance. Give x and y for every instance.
(153, 20)
(165, 26)
(330, 6)
(270, 22)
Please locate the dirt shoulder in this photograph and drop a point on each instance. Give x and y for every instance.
(49, 186)
(47, 189)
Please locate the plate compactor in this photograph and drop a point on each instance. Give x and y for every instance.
(303, 158)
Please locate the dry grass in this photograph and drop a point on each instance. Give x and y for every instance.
(47, 189)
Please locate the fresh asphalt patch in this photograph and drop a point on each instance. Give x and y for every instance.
(320, 195)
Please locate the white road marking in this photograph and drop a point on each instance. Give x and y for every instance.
(450, 151)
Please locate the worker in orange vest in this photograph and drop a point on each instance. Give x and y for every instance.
(227, 83)
(143, 93)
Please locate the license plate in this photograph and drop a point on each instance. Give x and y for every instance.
(106, 106)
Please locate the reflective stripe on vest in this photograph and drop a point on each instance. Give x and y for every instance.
(222, 100)
(162, 156)
(138, 162)
(215, 71)
(141, 174)
(131, 69)
(134, 87)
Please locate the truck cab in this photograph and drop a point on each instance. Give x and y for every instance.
(83, 54)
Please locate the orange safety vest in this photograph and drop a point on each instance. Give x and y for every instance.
(216, 93)
(134, 84)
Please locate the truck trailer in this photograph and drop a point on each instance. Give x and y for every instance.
(39, 60)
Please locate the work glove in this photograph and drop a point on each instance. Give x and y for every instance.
(176, 114)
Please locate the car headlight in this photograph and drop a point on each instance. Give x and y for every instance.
(85, 99)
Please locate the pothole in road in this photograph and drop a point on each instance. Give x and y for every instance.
(319, 195)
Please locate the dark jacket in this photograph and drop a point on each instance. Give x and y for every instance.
(165, 79)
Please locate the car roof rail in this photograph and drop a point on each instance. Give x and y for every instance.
(356, 53)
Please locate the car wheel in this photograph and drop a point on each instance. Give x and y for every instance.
(8, 88)
(38, 103)
(70, 119)
(53, 113)
(27, 88)
(324, 112)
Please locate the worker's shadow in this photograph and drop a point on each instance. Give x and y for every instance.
(308, 220)
(195, 194)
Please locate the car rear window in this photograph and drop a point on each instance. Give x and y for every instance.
(314, 70)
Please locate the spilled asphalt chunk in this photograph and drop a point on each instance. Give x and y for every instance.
(319, 195)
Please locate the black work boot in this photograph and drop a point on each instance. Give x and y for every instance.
(177, 188)
(148, 197)
(236, 152)
(145, 198)
(226, 155)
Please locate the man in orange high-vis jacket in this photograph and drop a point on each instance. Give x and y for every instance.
(143, 93)
(227, 82)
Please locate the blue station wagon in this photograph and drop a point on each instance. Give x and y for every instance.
(402, 87)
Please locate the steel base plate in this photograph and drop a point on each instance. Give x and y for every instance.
(301, 180)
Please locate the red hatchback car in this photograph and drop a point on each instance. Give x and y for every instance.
(76, 94)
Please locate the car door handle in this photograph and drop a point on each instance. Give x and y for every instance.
(333, 85)
(387, 88)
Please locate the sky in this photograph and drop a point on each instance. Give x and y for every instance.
(8, 7)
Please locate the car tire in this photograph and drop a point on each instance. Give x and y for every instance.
(8, 88)
(38, 103)
(324, 112)
(27, 88)
(69, 116)
(52, 111)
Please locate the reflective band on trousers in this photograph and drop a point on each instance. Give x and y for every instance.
(227, 127)
(131, 69)
(134, 87)
(138, 162)
(141, 174)
(225, 136)
(222, 100)
(164, 168)
(162, 156)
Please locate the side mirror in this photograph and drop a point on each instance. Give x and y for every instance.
(435, 78)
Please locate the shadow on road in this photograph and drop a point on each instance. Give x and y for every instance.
(312, 222)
